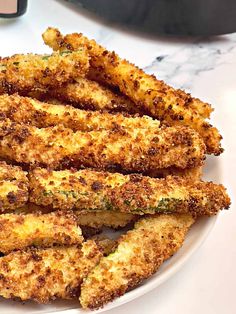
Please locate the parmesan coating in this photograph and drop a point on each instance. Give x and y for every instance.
(21, 231)
(119, 149)
(88, 94)
(139, 254)
(104, 218)
(193, 174)
(30, 111)
(47, 274)
(163, 102)
(26, 72)
(13, 187)
(137, 194)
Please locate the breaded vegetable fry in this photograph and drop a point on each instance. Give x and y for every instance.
(46, 274)
(137, 194)
(26, 72)
(105, 243)
(139, 254)
(13, 187)
(21, 231)
(30, 111)
(160, 100)
(193, 174)
(124, 149)
(87, 94)
(104, 218)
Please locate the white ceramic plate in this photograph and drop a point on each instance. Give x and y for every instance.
(195, 238)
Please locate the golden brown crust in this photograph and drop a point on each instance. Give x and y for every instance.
(87, 94)
(13, 187)
(91, 190)
(163, 102)
(139, 254)
(104, 218)
(47, 274)
(193, 174)
(26, 72)
(30, 111)
(21, 231)
(122, 149)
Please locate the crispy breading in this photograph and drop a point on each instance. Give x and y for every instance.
(54, 39)
(88, 94)
(21, 231)
(104, 218)
(106, 244)
(193, 174)
(137, 194)
(13, 187)
(139, 254)
(46, 274)
(26, 72)
(163, 102)
(118, 149)
(30, 111)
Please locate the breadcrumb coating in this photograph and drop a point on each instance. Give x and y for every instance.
(119, 149)
(193, 174)
(163, 102)
(42, 275)
(30, 111)
(13, 187)
(104, 218)
(26, 72)
(137, 194)
(88, 94)
(21, 231)
(139, 254)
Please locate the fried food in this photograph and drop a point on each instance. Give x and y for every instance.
(13, 187)
(106, 244)
(30, 111)
(104, 218)
(21, 231)
(139, 254)
(27, 72)
(46, 274)
(163, 102)
(136, 150)
(137, 194)
(88, 94)
(193, 174)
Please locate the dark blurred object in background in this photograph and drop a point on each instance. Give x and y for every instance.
(12, 8)
(172, 17)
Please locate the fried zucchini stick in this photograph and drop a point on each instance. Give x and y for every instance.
(160, 100)
(137, 194)
(13, 187)
(104, 218)
(87, 94)
(139, 254)
(30, 111)
(46, 274)
(21, 231)
(193, 174)
(122, 149)
(27, 72)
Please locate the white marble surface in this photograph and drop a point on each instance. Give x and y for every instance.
(207, 68)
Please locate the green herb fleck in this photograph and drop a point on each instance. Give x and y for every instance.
(16, 63)
(47, 193)
(168, 204)
(45, 57)
(65, 52)
(127, 202)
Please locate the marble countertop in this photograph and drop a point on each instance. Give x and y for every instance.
(206, 67)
